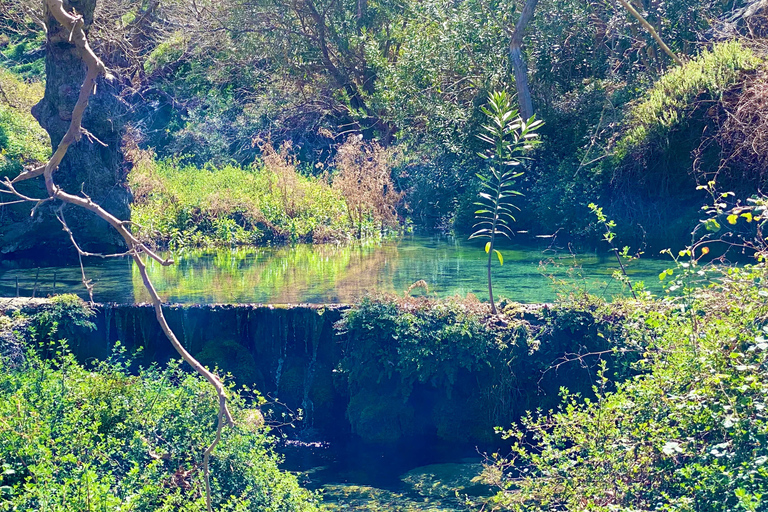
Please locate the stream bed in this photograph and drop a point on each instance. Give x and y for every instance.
(389, 481)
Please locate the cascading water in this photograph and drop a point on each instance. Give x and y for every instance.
(282, 333)
(316, 329)
(107, 323)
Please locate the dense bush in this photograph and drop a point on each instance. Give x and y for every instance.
(448, 368)
(666, 104)
(687, 434)
(100, 438)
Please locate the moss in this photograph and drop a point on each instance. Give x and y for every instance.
(382, 418)
(166, 53)
(425, 367)
(231, 357)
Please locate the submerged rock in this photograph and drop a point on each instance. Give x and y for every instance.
(340, 497)
(446, 480)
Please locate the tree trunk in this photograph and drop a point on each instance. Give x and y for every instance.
(90, 167)
(518, 63)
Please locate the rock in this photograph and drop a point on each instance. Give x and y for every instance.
(748, 21)
(445, 480)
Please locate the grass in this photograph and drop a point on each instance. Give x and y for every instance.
(22, 140)
(21, 55)
(180, 205)
(666, 103)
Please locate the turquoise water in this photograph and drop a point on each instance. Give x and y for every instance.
(343, 274)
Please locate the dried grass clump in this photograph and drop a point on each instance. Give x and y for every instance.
(743, 132)
(364, 180)
(282, 163)
(143, 177)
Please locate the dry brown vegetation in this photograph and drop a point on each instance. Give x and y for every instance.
(743, 132)
(364, 180)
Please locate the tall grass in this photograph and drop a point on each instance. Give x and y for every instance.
(179, 205)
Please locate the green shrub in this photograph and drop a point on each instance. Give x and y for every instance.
(74, 438)
(167, 52)
(686, 434)
(414, 365)
(665, 105)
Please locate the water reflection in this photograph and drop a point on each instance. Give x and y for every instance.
(339, 274)
(304, 273)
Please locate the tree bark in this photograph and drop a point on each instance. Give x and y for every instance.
(93, 168)
(518, 63)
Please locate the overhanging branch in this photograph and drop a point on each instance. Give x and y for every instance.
(73, 23)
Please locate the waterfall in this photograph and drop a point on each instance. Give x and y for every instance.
(184, 321)
(314, 332)
(107, 321)
(283, 335)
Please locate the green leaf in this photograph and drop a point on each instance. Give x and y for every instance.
(487, 247)
(501, 258)
(712, 225)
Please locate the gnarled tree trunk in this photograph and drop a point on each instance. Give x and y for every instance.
(94, 168)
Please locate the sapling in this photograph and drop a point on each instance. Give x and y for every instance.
(509, 136)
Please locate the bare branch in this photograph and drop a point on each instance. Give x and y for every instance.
(95, 67)
(647, 26)
(29, 174)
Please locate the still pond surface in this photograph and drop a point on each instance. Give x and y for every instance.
(342, 274)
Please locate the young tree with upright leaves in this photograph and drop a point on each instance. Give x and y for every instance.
(509, 135)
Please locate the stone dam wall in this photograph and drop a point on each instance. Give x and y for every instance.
(294, 356)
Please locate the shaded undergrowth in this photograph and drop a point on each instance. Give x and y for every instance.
(97, 437)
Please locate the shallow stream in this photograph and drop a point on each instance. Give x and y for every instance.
(429, 480)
